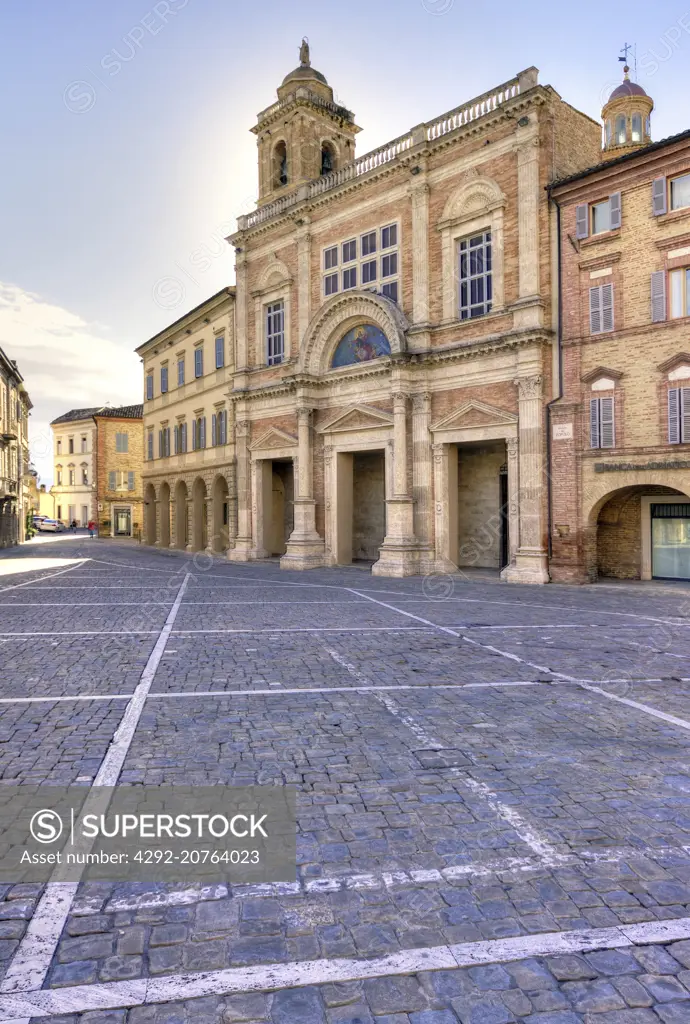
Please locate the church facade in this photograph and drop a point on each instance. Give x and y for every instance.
(394, 335)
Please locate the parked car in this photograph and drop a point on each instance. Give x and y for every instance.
(51, 526)
(38, 519)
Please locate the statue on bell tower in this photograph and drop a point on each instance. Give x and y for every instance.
(304, 58)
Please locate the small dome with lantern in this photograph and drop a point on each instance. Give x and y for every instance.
(627, 116)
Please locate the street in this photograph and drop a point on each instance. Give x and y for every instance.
(493, 791)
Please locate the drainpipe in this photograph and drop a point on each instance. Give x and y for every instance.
(559, 335)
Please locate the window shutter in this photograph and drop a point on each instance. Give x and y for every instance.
(615, 210)
(673, 418)
(183, 437)
(595, 311)
(658, 296)
(607, 307)
(214, 430)
(659, 196)
(582, 220)
(202, 432)
(194, 435)
(160, 444)
(594, 423)
(684, 415)
(224, 427)
(130, 480)
(606, 429)
(176, 439)
(111, 480)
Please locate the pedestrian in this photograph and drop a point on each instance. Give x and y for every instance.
(73, 526)
(91, 527)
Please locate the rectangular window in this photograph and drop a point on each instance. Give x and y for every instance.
(349, 251)
(164, 379)
(349, 278)
(202, 432)
(176, 439)
(330, 258)
(223, 424)
(59, 478)
(369, 271)
(275, 333)
(130, 480)
(183, 437)
(679, 416)
(59, 446)
(84, 444)
(85, 476)
(149, 446)
(475, 275)
(71, 478)
(389, 236)
(389, 265)
(121, 442)
(112, 480)
(198, 362)
(71, 446)
(149, 387)
(330, 284)
(368, 246)
(601, 309)
(220, 351)
(679, 288)
(601, 433)
(214, 430)
(680, 192)
(180, 371)
(391, 290)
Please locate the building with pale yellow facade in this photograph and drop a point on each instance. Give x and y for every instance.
(74, 450)
(391, 343)
(189, 470)
(15, 500)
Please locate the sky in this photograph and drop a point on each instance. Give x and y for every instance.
(126, 151)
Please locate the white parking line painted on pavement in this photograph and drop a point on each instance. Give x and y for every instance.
(89, 604)
(271, 977)
(81, 696)
(335, 689)
(305, 629)
(671, 719)
(49, 576)
(86, 632)
(32, 959)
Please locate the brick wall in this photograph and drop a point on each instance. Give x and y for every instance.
(110, 460)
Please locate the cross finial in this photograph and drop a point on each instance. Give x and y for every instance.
(625, 50)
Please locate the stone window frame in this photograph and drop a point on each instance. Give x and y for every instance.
(603, 382)
(358, 262)
(265, 298)
(475, 207)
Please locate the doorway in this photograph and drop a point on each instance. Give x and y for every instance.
(122, 522)
(671, 541)
(360, 502)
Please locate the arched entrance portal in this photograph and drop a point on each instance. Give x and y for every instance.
(220, 497)
(150, 514)
(640, 532)
(164, 515)
(199, 521)
(181, 527)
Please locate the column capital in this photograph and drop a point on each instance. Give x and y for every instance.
(243, 428)
(512, 447)
(303, 413)
(399, 401)
(421, 401)
(529, 387)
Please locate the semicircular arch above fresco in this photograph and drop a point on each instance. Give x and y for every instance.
(360, 345)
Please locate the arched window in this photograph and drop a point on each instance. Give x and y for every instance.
(620, 130)
(648, 126)
(280, 168)
(637, 127)
(607, 131)
(327, 158)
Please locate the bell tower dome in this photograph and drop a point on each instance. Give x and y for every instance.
(626, 117)
(304, 135)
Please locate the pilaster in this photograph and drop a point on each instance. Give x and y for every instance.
(303, 282)
(531, 557)
(528, 311)
(243, 540)
(422, 479)
(305, 548)
(419, 195)
(399, 553)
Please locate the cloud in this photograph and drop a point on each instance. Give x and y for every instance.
(66, 363)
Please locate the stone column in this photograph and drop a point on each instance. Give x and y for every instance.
(189, 520)
(305, 548)
(399, 553)
(210, 531)
(422, 490)
(531, 556)
(329, 490)
(154, 541)
(243, 540)
(529, 307)
(445, 507)
(303, 286)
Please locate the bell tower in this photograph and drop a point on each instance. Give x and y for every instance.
(304, 135)
(626, 117)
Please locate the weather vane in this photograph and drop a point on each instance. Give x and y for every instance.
(628, 47)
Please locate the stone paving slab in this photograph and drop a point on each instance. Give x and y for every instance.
(642, 985)
(92, 617)
(72, 666)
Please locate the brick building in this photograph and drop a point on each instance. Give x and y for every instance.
(620, 432)
(15, 406)
(119, 465)
(393, 323)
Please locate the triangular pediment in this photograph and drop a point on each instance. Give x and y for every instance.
(274, 437)
(475, 414)
(358, 417)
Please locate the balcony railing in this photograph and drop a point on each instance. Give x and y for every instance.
(460, 116)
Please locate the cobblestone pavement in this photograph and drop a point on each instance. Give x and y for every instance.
(493, 793)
